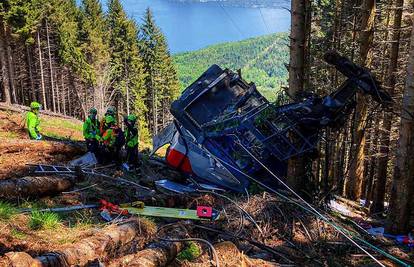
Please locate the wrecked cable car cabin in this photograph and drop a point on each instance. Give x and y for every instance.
(225, 133)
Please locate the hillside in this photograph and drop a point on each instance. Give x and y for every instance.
(261, 59)
(61, 136)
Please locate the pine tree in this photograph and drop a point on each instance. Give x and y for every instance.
(161, 83)
(93, 44)
(126, 64)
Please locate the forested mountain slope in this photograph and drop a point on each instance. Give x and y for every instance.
(262, 61)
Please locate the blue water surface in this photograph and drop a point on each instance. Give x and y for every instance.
(191, 26)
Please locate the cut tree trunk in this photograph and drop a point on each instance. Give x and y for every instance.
(403, 182)
(102, 245)
(34, 186)
(155, 255)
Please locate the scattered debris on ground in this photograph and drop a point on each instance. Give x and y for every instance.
(58, 220)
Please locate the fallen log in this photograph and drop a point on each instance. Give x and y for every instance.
(35, 186)
(101, 245)
(155, 255)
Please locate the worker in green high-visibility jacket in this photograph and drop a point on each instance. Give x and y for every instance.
(33, 121)
(108, 152)
(110, 112)
(91, 131)
(131, 142)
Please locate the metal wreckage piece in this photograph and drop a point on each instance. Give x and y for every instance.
(223, 126)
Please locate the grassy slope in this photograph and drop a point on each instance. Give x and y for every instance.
(12, 126)
(261, 59)
(42, 232)
(16, 149)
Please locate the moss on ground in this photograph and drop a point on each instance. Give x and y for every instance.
(191, 252)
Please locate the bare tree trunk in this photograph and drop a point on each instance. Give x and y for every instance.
(41, 71)
(4, 68)
(58, 94)
(29, 63)
(63, 92)
(154, 109)
(403, 183)
(51, 68)
(298, 43)
(379, 191)
(10, 62)
(353, 188)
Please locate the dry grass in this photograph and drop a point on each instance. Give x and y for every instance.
(17, 235)
(16, 149)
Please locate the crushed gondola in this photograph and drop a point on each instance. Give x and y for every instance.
(224, 131)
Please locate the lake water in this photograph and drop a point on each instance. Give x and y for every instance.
(191, 26)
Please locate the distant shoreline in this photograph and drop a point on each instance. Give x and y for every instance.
(243, 3)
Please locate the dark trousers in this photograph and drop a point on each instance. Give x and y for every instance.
(132, 155)
(106, 154)
(92, 145)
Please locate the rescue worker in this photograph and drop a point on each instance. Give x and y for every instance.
(131, 140)
(33, 121)
(108, 150)
(109, 112)
(91, 131)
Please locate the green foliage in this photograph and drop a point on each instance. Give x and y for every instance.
(43, 220)
(65, 18)
(262, 61)
(7, 210)
(190, 253)
(162, 82)
(126, 62)
(92, 31)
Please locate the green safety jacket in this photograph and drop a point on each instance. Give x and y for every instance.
(91, 129)
(131, 137)
(32, 122)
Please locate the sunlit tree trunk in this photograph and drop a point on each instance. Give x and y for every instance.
(403, 182)
(51, 68)
(42, 79)
(353, 187)
(4, 68)
(379, 190)
(298, 44)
